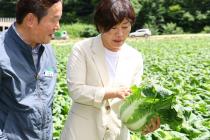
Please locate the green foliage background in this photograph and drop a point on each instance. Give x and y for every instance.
(189, 16)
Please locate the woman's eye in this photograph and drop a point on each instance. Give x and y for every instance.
(125, 27)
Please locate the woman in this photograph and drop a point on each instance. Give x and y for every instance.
(99, 73)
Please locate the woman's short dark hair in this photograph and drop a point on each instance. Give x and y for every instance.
(111, 12)
(38, 7)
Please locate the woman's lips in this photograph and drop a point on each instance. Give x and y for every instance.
(117, 41)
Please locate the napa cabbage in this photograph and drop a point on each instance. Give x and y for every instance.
(146, 102)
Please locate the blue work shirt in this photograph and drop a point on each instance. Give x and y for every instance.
(35, 50)
(26, 92)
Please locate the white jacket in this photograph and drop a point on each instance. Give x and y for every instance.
(88, 79)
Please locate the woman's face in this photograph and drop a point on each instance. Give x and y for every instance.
(116, 36)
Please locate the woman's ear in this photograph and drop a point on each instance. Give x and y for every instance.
(100, 30)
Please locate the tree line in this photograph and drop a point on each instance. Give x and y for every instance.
(161, 16)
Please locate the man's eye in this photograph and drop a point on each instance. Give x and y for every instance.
(114, 28)
(55, 19)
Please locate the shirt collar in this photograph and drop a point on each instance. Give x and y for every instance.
(35, 49)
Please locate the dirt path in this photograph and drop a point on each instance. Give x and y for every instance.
(187, 36)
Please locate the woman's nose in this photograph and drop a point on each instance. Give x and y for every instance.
(119, 32)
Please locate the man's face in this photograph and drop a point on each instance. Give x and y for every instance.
(43, 31)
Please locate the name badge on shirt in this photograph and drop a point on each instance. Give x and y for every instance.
(49, 73)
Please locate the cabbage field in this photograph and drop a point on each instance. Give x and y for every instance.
(180, 64)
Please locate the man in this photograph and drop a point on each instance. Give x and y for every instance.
(28, 71)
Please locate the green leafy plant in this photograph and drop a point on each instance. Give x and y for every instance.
(146, 102)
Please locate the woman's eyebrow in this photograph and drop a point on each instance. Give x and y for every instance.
(126, 22)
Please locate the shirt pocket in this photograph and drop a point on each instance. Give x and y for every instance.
(46, 82)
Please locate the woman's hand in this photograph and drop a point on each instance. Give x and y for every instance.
(152, 126)
(120, 92)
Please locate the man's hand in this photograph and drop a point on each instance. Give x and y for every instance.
(152, 126)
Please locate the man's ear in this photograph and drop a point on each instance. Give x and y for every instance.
(30, 20)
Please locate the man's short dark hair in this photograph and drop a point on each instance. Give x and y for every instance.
(111, 12)
(38, 7)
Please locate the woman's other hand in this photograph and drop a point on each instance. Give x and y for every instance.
(152, 126)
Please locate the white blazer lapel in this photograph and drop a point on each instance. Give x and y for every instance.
(99, 59)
